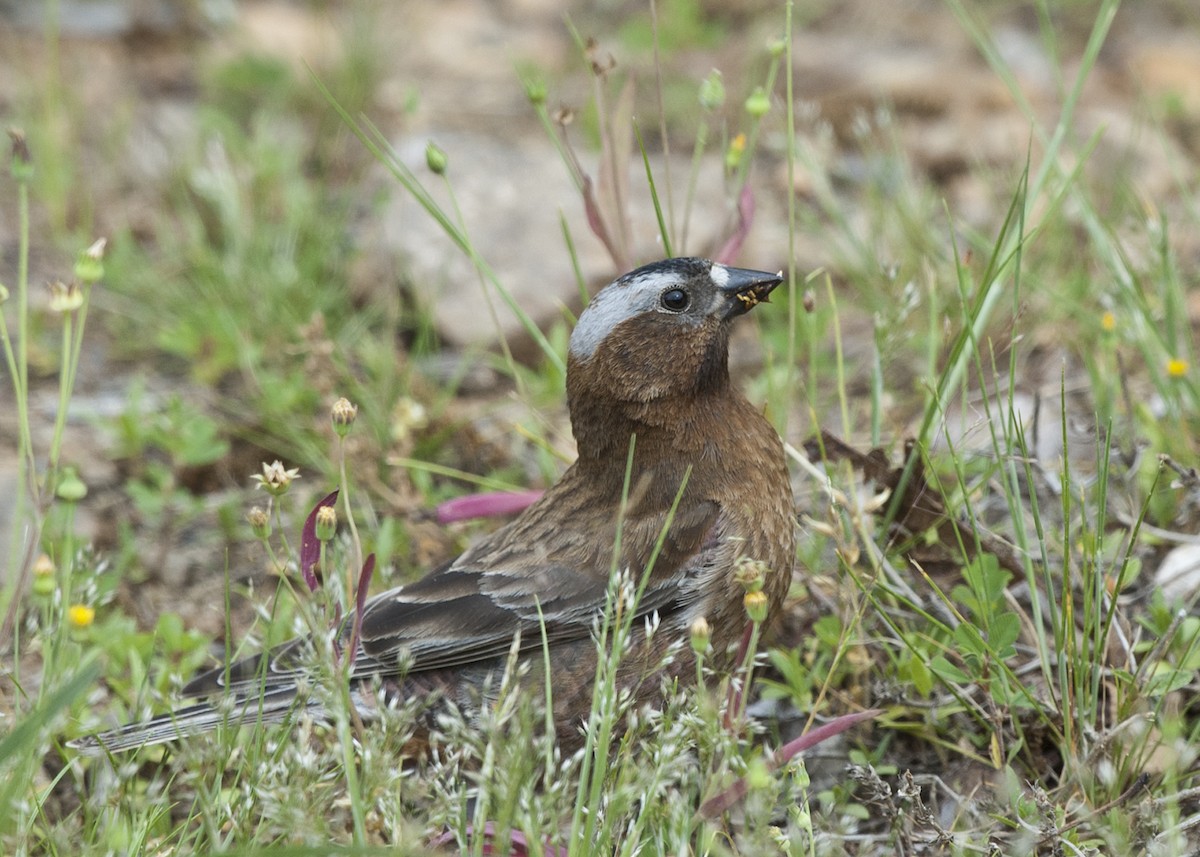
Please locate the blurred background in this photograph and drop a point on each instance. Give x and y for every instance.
(262, 261)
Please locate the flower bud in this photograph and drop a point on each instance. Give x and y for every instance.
(535, 90)
(44, 583)
(758, 104)
(701, 635)
(22, 163)
(712, 91)
(756, 606)
(750, 573)
(435, 159)
(733, 154)
(259, 521)
(343, 413)
(326, 523)
(89, 267)
(758, 775)
(70, 486)
(65, 298)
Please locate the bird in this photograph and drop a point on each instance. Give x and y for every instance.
(678, 479)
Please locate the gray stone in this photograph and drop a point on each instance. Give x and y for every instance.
(511, 195)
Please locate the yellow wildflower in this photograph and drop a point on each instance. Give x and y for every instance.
(81, 615)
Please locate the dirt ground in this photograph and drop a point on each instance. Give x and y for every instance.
(132, 67)
(132, 70)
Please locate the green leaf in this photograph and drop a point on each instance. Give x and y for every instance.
(828, 630)
(969, 640)
(920, 676)
(947, 671)
(1166, 679)
(1003, 634)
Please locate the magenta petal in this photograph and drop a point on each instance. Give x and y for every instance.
(364, 583)
(360, 602)
(728, 253)
(594, 218)
(518, 842)
(310, 545)
(718, 803)
(488, 505)
(815, 736)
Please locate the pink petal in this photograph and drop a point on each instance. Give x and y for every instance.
(360, 601)
(717, 804)
(519, 843)
(488, 505)
(728, 253)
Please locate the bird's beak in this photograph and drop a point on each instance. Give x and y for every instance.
(746, 289)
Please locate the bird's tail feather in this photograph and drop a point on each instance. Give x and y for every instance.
(275, 706)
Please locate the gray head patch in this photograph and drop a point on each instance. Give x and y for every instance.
(620, 301)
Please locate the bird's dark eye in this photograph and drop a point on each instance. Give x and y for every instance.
(676, 300)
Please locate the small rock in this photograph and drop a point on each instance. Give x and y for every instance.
(1170, 69)
(1178, 576)
(291, 33)
(494, 182)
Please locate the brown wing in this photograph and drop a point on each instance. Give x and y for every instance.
(460, 615)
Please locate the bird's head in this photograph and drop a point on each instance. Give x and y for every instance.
(661, 331)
